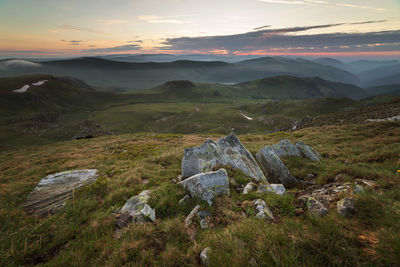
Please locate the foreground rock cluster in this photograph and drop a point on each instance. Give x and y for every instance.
(202, 179)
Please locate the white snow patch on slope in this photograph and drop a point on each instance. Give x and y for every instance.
(39, 83)
(18, 63)
(23, 89)
(247, 117)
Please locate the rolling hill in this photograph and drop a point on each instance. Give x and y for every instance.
(128, 75)
(287, 87)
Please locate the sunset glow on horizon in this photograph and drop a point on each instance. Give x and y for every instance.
(337, 28)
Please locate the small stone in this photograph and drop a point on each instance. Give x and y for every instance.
(347, 162)
(203, 214)
(316, 208)
(190, 217)
(204, 256)
(233, 182)
(184, 200)
(174, 181)
(310, 176)
(358, 189)
(345, 207)
(249, 188)
(204, 224)
(369, 183)
(339, 177)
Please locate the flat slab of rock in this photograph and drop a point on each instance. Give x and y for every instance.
(207, 185)
(227, 151)
(52, 192)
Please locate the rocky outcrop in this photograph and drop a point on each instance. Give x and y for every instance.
(307, 151)
(345, 207)
(227, 151)
(393, 119)
(207, 185)
(325, 194)
(52, 192)
(270, 159)
(137, 210)
(275, 168)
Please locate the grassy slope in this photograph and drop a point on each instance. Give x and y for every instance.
(288, 87)
(84, 233)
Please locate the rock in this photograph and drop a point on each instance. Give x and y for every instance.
(392, 119)
(274, 167)
(263, 211)
(52, 192)
(273, 188)
(203, 217)
(285, 148)
(347, 162)
(204, 260)
(339, 178)
(307, 151)
(227, 151)
(207, 185)
(310, 176)
(326, 194)
(358, 189)
(368, 183)
(184, 200)
(190, 217)
(136, 210)
(249, 188)
(315, 207)
(345, 207)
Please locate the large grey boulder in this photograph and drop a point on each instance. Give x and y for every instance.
(136, 209)
(274, 167)
(52, 192)
(227, 151)
(307, 151)
(207, 185)
(285, 148)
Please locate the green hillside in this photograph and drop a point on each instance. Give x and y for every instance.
(287, 87)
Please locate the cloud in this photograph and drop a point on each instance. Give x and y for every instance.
(72, 42)
(158, 19)
(113, 21)
(319, 2)
(136, 41)
(362, 7)
(76, 28)
(119, 48)
(284, 40)
(261, 27)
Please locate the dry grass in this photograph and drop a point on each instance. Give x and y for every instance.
(84, 233)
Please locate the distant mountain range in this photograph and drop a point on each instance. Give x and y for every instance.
(119, 72)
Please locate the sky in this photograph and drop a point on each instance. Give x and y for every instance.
(65, 28)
